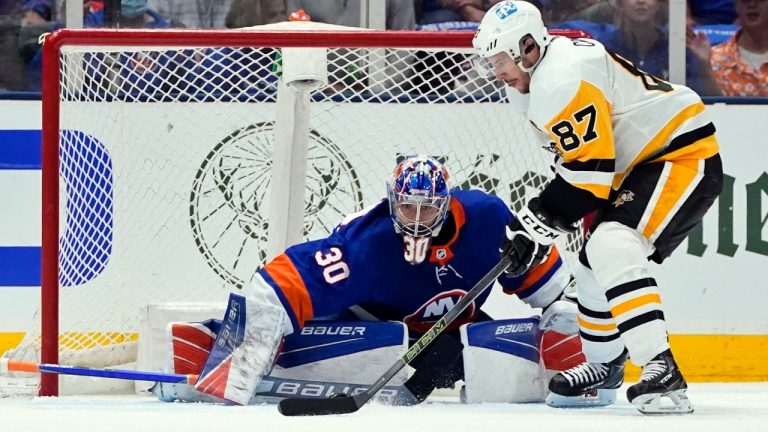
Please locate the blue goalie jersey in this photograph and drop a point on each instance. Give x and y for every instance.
(362, 263)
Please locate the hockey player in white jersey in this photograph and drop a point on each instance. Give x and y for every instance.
(639, 151)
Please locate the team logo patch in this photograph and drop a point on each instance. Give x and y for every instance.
(433, 309)
(624, 196)
(441, 254)
(505, 10)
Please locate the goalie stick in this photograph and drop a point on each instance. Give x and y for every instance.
(270, 387)
(344, 404)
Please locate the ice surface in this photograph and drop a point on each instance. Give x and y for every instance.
(719, 407)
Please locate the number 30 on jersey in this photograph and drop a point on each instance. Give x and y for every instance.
(334, 268)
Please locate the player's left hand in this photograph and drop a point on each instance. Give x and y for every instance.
(524, 250)
(530, 236)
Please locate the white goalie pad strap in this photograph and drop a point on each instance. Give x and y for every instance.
(562, 317)
(260, 291)
(245, 348)
(502, 361)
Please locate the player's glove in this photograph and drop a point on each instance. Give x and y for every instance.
(530, 236)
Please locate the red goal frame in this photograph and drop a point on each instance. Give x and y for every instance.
(52, 47)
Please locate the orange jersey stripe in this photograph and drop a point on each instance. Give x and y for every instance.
(285, 275)
(635, 303)
(537, 272)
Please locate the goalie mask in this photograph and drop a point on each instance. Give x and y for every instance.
(503, 29)
(419, 197)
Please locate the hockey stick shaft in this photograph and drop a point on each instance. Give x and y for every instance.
(348, 404)
(7, 365)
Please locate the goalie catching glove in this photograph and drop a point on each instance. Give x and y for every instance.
(530, 236)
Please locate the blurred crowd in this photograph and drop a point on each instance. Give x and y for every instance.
(726, 40)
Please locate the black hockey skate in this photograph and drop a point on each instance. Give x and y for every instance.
(588, 384)
(661, 378)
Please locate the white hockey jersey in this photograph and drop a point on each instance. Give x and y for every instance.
(604, 116)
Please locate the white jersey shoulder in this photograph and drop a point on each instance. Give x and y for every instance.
(557, 79)
(595, 105)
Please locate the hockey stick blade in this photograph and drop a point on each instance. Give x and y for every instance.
(344, 404)
(341, 404)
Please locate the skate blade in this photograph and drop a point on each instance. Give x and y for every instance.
(652, 403)
(593, 399)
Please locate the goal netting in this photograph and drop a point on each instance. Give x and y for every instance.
(188, 158)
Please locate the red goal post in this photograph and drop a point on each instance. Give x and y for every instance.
(144, 174)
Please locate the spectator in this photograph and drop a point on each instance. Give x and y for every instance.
(193, 13)
(36, 21)
(447, 11)
(699, 44)
(559, 11)
(638, 35)
(594, 17)
(247, 13)
(401, 14)
(639, 38)
(12, 69)
(137, 14)
(36, 12)
(740, 65)
(602, 11)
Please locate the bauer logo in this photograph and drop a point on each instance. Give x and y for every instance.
(332, 330)
(505, 10)
(514, 328)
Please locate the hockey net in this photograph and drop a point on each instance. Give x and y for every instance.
(168, 188)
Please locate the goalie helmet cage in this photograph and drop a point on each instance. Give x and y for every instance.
(176, 162)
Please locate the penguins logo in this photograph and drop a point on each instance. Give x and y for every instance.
(231, 190)
(624, 196)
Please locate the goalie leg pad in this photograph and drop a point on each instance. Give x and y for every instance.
(560, 352)
(190, 344)
(339, 356)
(245, 349)
(502, 361)
(342, 351)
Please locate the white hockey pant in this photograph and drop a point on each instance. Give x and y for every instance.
(619, 301)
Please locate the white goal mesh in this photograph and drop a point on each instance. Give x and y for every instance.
(167, 172)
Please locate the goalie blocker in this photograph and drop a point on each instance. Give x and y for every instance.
(501, 361)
